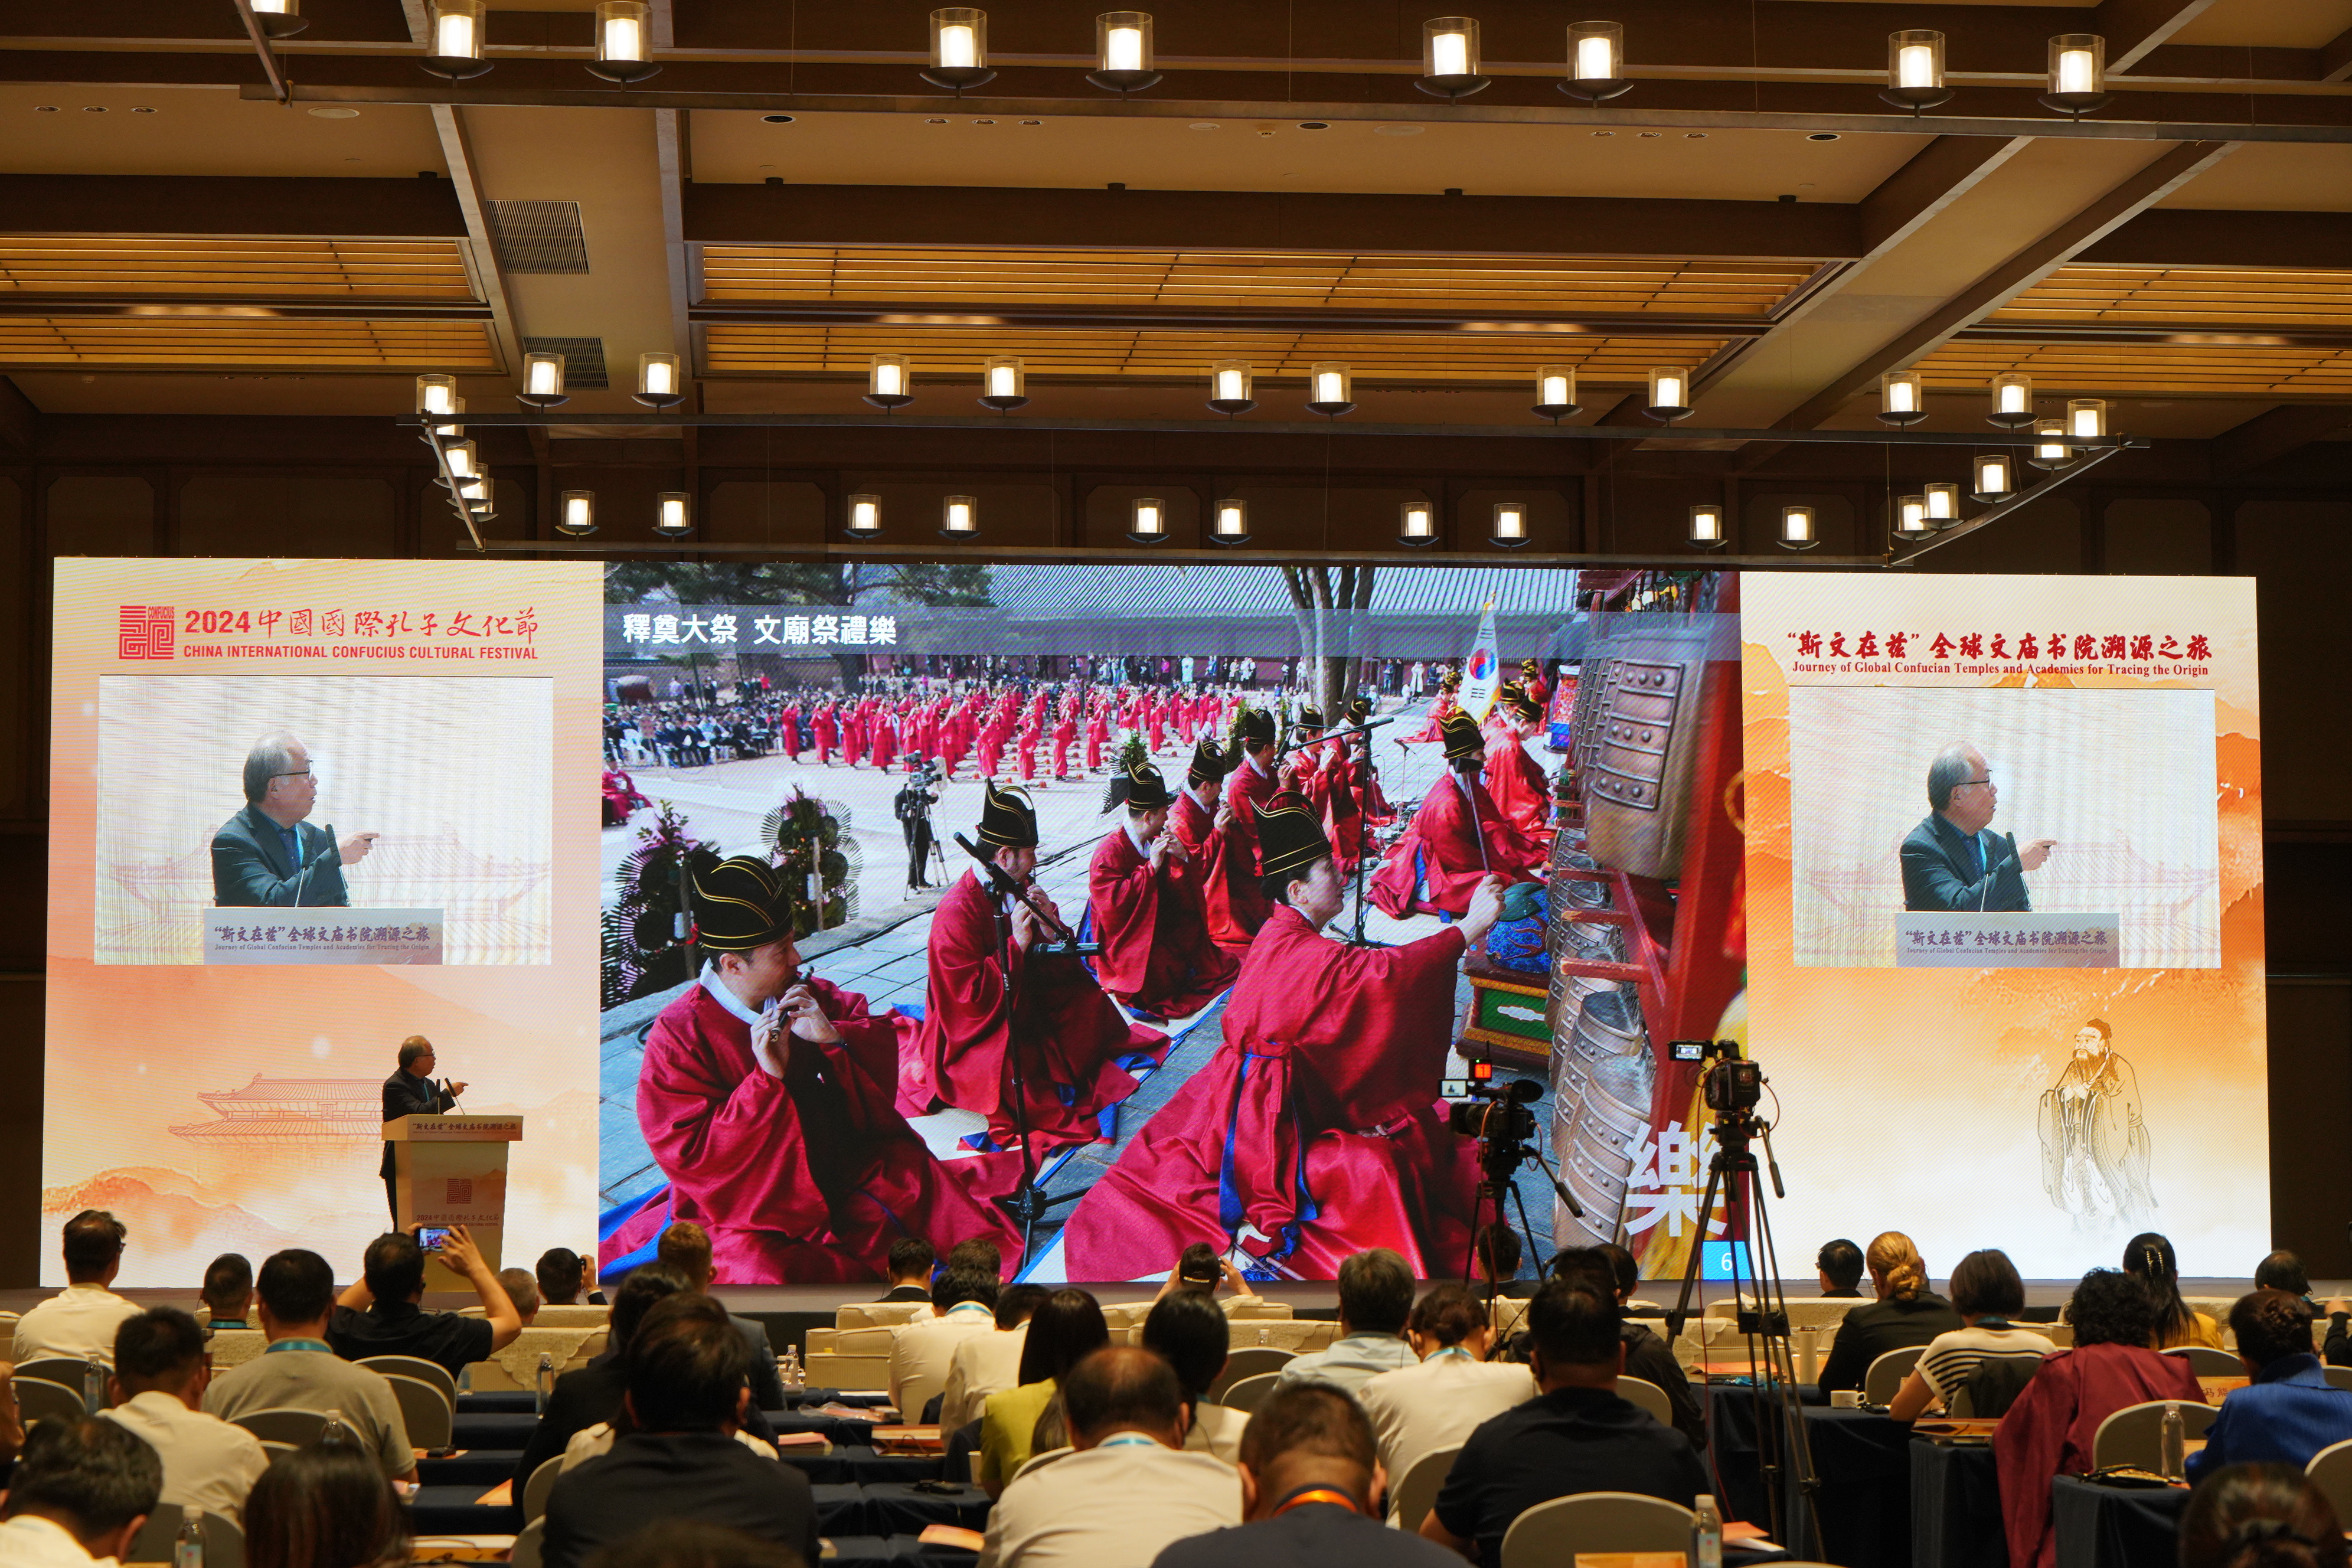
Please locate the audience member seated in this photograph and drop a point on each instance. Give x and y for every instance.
(1576, 1435)
(2260, 1516)
(1375, 1300)
(1499, 1253)
(1907, 1313)
(689, 1543)
(1987, 1293)
(2049, 1431)
(159, 1389)
(989, 1363)
(325, 1502)
(686, 1246)
(379, 1315)
(1838, 1267)
(80, 1492)
(2148, 1258)
(1197, 1268)
(1309, 1478)
(909, 1267)
(521, 1286)
(976, 1256)
(2290, 1411)
(1453, 1391)
(965, 1304)
(227, 1294)
(562, 1275)
(2284, 1271)
(1065, 1329)
(588, 1395)
(81, 1320)
(686, 1397)
(299, 1372)
(1188, 1331)
(1611, 1269)
(1127, 1489)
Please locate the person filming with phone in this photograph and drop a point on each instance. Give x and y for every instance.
(379, 1314)
(411, 1091)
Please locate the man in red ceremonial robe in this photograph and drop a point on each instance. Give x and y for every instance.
(788, 730)
(991, 745)
(821, 724)
(1532, 682)
(1521, 791)
(1230, 878)
(1025, 745)
(1065, 732)
(1157, 954)
(1315, 1129)
(989, 994)
(765, 1096)
(884, 740)
(1155, 719)
(955, 742)
(1442, 856)
(1098, 732)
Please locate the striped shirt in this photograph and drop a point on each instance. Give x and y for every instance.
(1951, 1356)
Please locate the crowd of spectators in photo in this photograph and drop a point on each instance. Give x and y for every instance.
(1094, 1450)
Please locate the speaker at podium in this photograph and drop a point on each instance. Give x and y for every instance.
(452, 1170)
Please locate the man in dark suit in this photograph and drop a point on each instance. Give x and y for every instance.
(679, 1458)
(1950, 861)
(268, 854)
(410, 1091)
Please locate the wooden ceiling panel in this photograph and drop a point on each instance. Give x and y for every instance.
(186, 342)
(2215, 296)
(2145, 368)
(228, 269)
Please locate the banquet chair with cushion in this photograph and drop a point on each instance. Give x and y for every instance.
(37, 1399)
(527, 1545)
(2337, 1376)
(2331, 1471)
(417, 1367)
(1416, 1493)
(535, 1490)
(1993, 1387)
(283, 1424)
(1885, 1378)
(429, 1414)
(1247, 1362)
(1640, 1391)
(1247, 1393)
(2134, 1434)
(1555, 1534)
(67, 1371)
(159, 1537)
(2206, 1362)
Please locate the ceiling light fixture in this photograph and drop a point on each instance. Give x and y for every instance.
(1596, 62)
(1902, 399)
(1669, 393)
(1416, 523)
(2012, 401)
(1231, 525)
(1123, 52)
(1797, 528)
(1449, 58)
(542, 381)
(1995, 477)
(659, 385)
(461, 457)
(863, 517)
(1915, 69)
(452, 432)
(1004, 383)
(1555, 392)
(1911, 517)
(1229, 387)
(1705, 528)
(2050, 451)
(2088, 416)
(436, 395)
(575, 513)
(889, 381)
(1508, 531)
(2078, 74)
(1147, 520)
(959, 48)
(456, 51)
(623, 36)
(960, 517)
(279, 19)
(1943, 505)
(1330, 388)
(674, 514)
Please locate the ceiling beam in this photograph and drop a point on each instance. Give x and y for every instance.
(229, 205)
(2134, 27)
(2335, 57)
(2027, 266)
(18, 420)
(1577, 325)
(674, 152)
(2266, 438)
(490, 278)
(981, 217)
(2201, 236)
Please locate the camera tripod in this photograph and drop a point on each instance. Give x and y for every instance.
(1502, 1150)
(1783, 1452)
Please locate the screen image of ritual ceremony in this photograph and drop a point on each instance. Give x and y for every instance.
(1026, 829)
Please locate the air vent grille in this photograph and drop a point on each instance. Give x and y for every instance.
(539, 237)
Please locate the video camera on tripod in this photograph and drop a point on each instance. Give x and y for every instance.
(1734, 1085)
(1496, 1113)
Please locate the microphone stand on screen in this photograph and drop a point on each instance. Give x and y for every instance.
(303, 876)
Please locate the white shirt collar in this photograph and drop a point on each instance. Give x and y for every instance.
(726, 998)
(1257, 767)
(1136, 838)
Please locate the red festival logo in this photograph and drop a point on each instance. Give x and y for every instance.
(144, 631)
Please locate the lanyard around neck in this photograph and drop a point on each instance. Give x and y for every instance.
(1305, 1495)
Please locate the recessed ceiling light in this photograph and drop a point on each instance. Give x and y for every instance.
(334, 112)
(1651, 135)
(143, 110)
(1033, 123)
(1604, 133)
(44, 109)
(935, 121)
(984, 122)
(775, 120)
(1314, 125)
(1693, 135)
(93, 108)
(1823, 136)
(1204, 125)
(1397, 129)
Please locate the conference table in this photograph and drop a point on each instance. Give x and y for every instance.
(1861, 1460)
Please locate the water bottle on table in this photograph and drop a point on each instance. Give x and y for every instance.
(188, 1549)
(1706, 1535)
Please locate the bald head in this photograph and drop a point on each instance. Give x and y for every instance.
(1123, 1388)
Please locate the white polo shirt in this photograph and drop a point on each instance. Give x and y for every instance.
(29, 1540)
(1439, 1403)
(78, 1321)
(921, 1352)
(207, 1462)
(1114, 1506)
(982, 1365)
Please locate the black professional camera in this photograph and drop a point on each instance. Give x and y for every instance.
(1734, 1084)
(1496, 1111)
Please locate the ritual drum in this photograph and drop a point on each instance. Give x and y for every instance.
(1602, 1078)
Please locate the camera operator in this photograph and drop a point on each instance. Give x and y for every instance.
(913, 804)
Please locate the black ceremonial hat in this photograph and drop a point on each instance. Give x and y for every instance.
(1289, 835)
(1359, 708)
(1531, 666)
(1310, 718)
(1007, 820)
(1256, 725)
(1450, 681)
(1514, 697)
(739, 904)
(1139, 787)
(1210, 762)
(1460, 733)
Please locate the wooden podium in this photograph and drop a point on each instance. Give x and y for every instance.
(452, 1170)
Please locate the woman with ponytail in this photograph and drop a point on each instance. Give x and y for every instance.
(1907, 1313)
(2260, 1516)
(2149, 1259)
